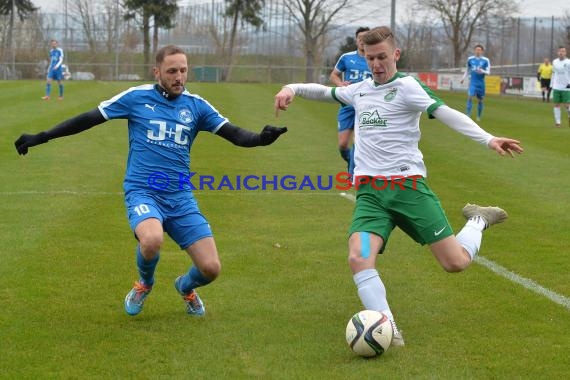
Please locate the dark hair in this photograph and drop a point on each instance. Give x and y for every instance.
(166, 51)
(379, 34)
(360, 30)
(479, 45)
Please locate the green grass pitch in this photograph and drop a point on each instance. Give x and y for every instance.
(285, 294)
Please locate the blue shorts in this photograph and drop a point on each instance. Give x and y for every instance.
(180, 217)
(478, 91)
(345, 118)
(55, 74)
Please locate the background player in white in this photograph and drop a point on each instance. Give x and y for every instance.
(477, 67)
(387, 133)
(350, 68)
(561, 85)
(55, 70)
(163, 122)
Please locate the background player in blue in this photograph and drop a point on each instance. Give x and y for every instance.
(477, 67)
(163, 122)
(55, 71)
(350, 68)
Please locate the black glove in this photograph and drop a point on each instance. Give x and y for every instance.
(538, 77)
(270, 133)
(568, 85)
(27, 141)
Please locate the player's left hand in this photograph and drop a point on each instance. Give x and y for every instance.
(270, 133)
(504, 146)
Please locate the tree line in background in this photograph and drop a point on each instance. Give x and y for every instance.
(433, 34)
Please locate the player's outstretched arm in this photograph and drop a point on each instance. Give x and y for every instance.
(71, 126)
(312, 91)
(464, 125)
(244, 138)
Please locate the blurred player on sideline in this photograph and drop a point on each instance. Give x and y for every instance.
(477, 67)
(55, 70)
(163, 122)
(544, 75)
(561, 85)
(350, 68)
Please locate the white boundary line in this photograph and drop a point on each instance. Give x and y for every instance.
(525, 282)
(503, 272)
(58, 192)
(196, 192)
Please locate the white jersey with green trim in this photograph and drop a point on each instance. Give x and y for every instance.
(560, 74)
(387, 125)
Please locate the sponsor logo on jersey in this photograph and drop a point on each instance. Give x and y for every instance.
(371, 120)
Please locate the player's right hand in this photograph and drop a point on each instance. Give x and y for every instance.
(283, 99)
(27, 141)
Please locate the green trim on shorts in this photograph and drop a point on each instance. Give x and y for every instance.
(560, 96)
(408, 204)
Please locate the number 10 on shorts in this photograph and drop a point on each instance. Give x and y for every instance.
(142, 209)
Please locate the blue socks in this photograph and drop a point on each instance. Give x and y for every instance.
(348, 156)
(469, 107)
(61, 91)
(146, 267)
(191, 280)
(48, 89)
(479, 109)
(345, 154)
(351, 162)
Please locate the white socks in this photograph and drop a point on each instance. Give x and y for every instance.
(557, 115)
(372, 292)
(471, 235)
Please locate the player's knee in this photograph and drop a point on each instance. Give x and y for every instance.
(343, 142)
(151, 242)
(456, 265)
(356, 261)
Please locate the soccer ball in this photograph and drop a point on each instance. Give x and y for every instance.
(369, 333)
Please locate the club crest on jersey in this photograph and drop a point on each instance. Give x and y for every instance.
(185, 116)
(371, 120)
(390, 95)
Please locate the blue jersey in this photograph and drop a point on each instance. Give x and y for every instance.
(55, 58)
(474, 63)
(353, 66)
(355, 69)
(161, 133)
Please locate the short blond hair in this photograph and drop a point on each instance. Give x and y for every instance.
(379, 34)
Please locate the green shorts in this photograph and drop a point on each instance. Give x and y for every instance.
(560, 96)
(411, 205)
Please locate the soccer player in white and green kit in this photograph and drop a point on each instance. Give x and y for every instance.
(561, 85)
(388, 109)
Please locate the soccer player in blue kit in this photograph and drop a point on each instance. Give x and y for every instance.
(477, 67)
(350, 68)
(163, 122)
(55, 70)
